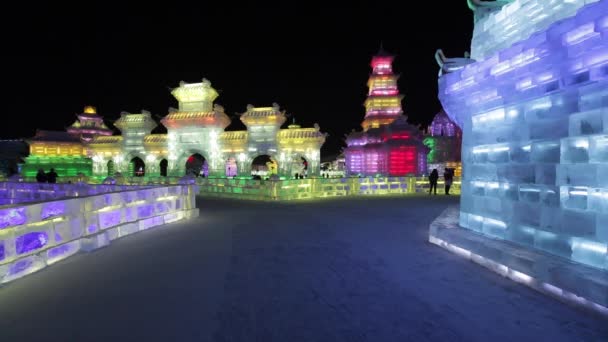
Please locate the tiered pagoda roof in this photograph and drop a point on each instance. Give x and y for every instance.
(263, 116)
(135, 121)
(295, 135)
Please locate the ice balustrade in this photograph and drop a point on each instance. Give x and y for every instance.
(318, 187)
(22, 192)
(535, 144)
(36, 235)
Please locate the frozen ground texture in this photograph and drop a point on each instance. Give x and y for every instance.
(337, 271)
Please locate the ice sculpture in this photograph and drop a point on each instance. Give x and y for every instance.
(196, 128)
(535, 148)
(444, 139)
(500, 24)
(37, 234)
(388, 145)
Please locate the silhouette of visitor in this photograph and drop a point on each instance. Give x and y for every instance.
(448, 175)
(433, 177)
(41, 176)
(51, 177)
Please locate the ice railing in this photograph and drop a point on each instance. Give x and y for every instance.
(318, 187)
(517, 21)
(36, 235)
(22, 192)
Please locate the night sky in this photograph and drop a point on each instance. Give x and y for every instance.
(312, 59)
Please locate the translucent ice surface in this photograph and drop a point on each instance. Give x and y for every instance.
(520, 19)
(534, 113)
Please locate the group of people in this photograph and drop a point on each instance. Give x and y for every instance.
(448, 177)
(49, 177)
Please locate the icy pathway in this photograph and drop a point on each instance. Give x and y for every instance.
(305, 271)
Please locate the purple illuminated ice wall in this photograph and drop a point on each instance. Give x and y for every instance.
(535, 146)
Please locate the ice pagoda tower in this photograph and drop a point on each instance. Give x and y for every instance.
(89, 125)
(388, 144)
(533, 107)
(383, 103)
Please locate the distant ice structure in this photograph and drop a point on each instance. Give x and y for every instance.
(534, 114)
(388, 144)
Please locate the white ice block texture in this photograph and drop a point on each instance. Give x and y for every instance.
(517, 21)
(35, 235)
(535, 138)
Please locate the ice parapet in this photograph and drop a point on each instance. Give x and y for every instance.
(534, 114)
(35, 235)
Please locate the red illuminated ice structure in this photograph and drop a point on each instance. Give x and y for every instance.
(388, 144)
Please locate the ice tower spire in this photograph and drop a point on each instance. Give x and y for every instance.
(383, 103)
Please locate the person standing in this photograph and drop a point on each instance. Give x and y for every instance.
(41, 176)
(448, 175)
(433, 177)
(51, 177)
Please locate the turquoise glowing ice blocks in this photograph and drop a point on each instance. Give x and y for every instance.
(535, 144)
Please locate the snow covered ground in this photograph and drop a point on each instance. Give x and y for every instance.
(356, 269)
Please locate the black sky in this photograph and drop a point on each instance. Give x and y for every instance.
(310, 58)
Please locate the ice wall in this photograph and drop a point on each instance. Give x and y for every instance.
(535, 144)
(517, 21)
(319, 187)
(34, 236)
(23, 192)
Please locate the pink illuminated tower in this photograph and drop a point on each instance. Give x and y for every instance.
(388, 144)
(383, 103)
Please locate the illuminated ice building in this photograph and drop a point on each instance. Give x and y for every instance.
(444, 138)
(533, 106)
(388, 144)
(195, 142)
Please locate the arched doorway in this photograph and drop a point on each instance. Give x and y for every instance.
(299, 166)
(164, 164)
(231, 167)
(110, 166)
(264, 166)
(137, 167)
(196, 165)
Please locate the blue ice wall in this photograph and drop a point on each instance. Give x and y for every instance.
(535, 139)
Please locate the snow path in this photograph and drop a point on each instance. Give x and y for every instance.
(331, 270)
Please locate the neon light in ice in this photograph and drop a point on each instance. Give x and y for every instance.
(590, 246)
(580, 34)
